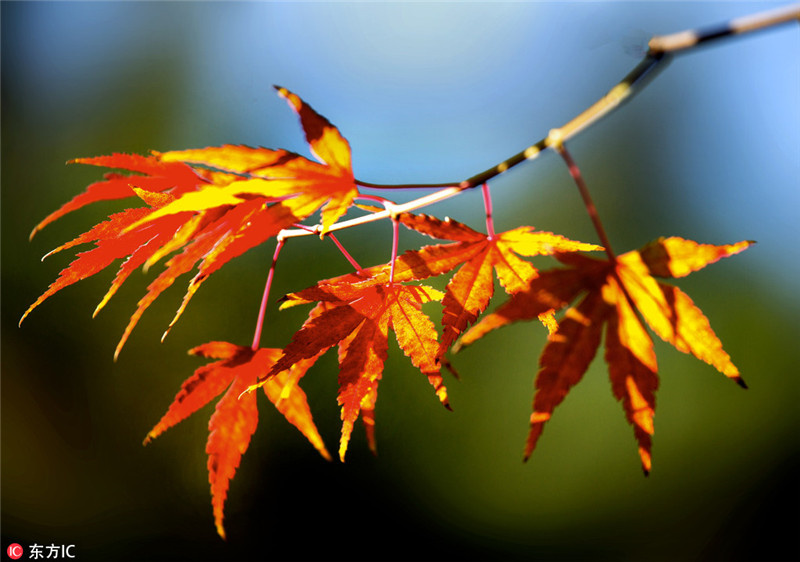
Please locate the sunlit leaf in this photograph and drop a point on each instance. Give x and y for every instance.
(611, 290)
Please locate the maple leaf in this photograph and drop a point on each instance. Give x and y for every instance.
(476, 255)
(212, 238)
(613, 294)
(153, 175)
(302, 186)
(236, 416)
(358, 319)
(209, 216)
(469, 291)
(113, 240)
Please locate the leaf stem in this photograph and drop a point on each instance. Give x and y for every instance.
(345, 253)
(487, 204)
(263, 307)
(575, 172)
(395, 238)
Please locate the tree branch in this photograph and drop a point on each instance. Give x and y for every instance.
(659, 55)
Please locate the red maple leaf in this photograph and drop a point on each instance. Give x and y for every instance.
(236, 416)
(613, 292)
(358, 319)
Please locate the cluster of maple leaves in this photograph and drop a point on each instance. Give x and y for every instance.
(204, 207)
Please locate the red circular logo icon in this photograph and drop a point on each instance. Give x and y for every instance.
(15, 551)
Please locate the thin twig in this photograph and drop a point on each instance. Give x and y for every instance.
(626, 88)
(687, 39)
(429, 199)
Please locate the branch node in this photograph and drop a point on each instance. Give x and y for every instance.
(391, 208)
(555, 139)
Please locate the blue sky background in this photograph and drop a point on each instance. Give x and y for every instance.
(424, 92)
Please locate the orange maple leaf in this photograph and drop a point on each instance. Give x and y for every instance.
(358, 319)
(476, 255)
(613, 293)
(236, 416)
(212, 238)
(210, 215)
(471, 288)
(152, 175)
(303, 186)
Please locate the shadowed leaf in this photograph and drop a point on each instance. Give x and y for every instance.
(236, 416)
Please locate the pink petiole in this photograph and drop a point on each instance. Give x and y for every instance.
(263, 308)
(487, 203)
(395, 237)
(339, 245)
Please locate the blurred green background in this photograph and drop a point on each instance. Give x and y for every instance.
(424, 92)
